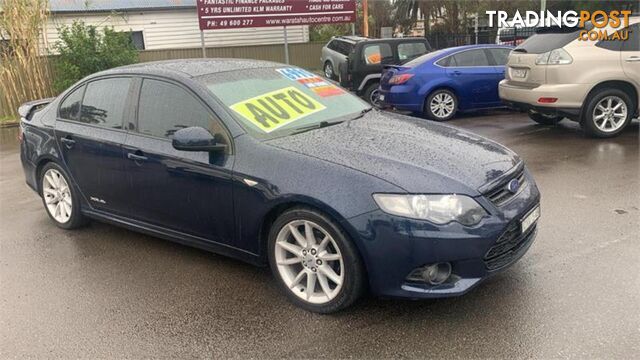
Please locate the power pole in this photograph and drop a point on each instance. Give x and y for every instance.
(365, 18)
(543, 5)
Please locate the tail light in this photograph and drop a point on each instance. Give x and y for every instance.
(547, 100)
(400, 79)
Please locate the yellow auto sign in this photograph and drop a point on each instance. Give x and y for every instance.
(275, 109)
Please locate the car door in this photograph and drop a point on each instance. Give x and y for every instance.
(630, 53)
(498, 58)
(90, 134)
(372, 58)
(188, 192)
(474, 77)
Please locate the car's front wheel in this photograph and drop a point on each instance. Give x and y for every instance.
(607, 113)
(441, 105)
(544, 119)
(315, 263)
(59, 197)
(328, 71)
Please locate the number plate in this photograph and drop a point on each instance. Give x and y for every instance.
(518, 73)
(530, 219)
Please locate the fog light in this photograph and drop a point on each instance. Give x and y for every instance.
(436, 274)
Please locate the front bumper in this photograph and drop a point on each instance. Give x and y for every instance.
(570, 97)
(392, 247)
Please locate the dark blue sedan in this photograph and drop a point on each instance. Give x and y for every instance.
(272, 165)
(443, 82)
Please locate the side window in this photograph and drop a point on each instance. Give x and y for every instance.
(376, 54)
(332, 45)
(633, 42)
(104, 102)
(444, 62)
(500, 56)
(165, 108)
(408, 51)
(471, 58)
(70, 107)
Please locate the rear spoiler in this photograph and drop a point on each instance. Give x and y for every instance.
(29, 108)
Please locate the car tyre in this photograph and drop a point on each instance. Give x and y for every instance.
(441, 105)
(544, 119)
(329, 73)
(329, 264)
(60, 199)
(371, 94)
(607, 113)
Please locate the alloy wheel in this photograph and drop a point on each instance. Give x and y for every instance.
(328, 71)
(610, 114)
(309, 261)
(374, 98)
(57, 195)
(442, 105)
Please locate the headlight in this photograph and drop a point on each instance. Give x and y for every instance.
(554, 57)
(439, 209)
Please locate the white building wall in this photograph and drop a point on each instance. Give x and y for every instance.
(171, 29)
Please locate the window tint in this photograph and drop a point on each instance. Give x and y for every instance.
(500, 56)
(471, 58)
(104, 102)
(165, 108)
(444, 62)
(407, 51)
(377, 53)
(551, 38)
(70, 107)
(633, 42)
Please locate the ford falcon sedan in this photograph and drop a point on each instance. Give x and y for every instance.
(273, 165)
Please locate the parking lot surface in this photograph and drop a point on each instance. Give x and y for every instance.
(107, 292)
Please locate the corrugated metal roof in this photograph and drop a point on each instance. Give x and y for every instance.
(59, 6)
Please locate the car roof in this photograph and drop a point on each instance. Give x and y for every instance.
(190, 67)
(350, 38)
(478, 46)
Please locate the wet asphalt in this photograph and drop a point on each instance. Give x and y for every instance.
(107, 292)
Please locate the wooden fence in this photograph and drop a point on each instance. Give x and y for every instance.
(306, 55)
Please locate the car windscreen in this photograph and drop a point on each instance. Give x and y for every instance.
(549, 38)
(424, 58)
(278, 101)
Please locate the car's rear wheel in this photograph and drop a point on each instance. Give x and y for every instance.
(328, 71)
(607, 113)
(441, 105)
(315, 263)
(59, 197)
(372, 94)
(544, 119)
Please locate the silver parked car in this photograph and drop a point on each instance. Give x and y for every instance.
(335, 53)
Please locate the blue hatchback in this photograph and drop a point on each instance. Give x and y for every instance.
(272, 165)
(443, 82)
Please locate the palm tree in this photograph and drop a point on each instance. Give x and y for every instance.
(407, 12)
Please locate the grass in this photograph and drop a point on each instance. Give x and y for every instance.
(7, 120)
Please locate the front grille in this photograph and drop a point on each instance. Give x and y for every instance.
(507, 246)
(500, 194)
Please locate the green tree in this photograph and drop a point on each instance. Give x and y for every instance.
(84, 50)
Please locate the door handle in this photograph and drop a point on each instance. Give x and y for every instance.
(633, 59)
(68, 141)
(456, 72)
(136, 157)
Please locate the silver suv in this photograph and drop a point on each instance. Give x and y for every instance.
(554, 75)
(335, 53)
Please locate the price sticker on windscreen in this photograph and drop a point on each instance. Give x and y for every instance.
(278, 108)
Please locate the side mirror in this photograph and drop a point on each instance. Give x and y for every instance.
(195, 138)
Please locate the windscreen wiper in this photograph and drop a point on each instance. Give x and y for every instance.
(362, 113)
(321, 124)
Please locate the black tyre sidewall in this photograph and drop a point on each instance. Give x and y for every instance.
(544, 120)
(77, 219)
(369, 90)
(427, 109)
(354, 276)
(589, 125)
